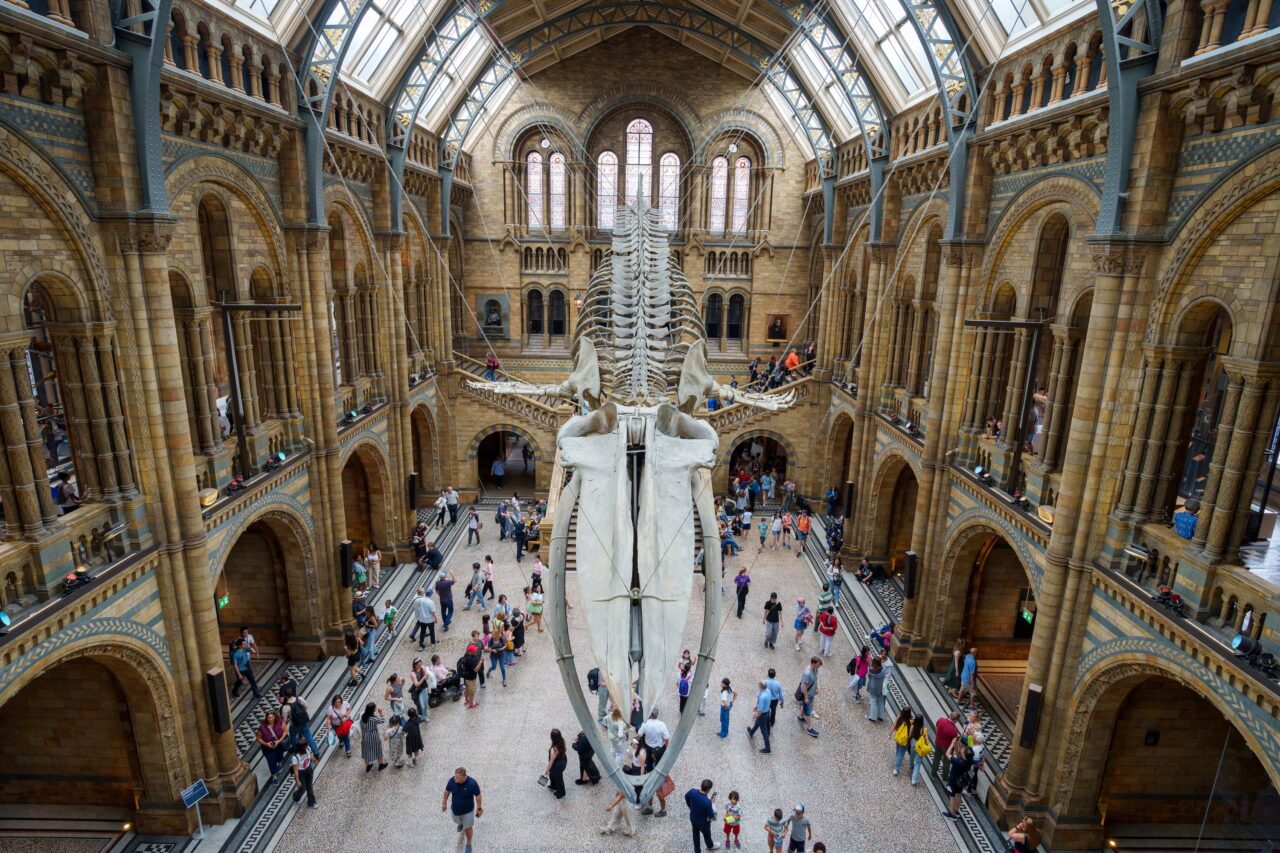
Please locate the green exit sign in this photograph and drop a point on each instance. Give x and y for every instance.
(224, 600)
(1028, 617)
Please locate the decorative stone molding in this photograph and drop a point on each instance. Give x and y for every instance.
(232, 178)
(1239, 191)
(1055, 189)
(56, 195)
(1107, 263)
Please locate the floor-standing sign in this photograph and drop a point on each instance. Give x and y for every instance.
(191, 797)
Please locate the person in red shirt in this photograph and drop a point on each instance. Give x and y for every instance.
(827, 624)
(948, 729)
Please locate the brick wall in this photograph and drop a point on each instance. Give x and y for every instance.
(254, 579)
(1170, 782)
(994, 593)
(68, 740)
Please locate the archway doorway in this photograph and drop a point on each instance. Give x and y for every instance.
(991, 606)
(253, 591)
(426, 460)
(519, 460)
(889, 538)
(117, 769)
(755, 456)
(364, 501)
(840, 461)
(1158, 760)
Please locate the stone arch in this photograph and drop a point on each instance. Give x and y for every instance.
(839, 447)
(967, 540)
(66, 207)
(144, 678)
(427, 458)
(293, 537)
(371, 483)
(793, 466)
(1177, 287)
(474, 447)
(630, 94)
(890, 500)
(232, 178)
(358, 244)
(536, 116)
(1070, 191)
(750, 122)
(1099, 695)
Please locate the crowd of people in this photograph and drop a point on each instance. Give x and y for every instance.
(389, 733)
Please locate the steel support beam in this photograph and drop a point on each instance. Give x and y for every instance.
(1130, 45)
(322, 50)
(143, 37)
(957, 94)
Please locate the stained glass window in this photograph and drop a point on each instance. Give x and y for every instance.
(719, 194)
(741, 194)
(557, 192)
(606, 189)
(669, 190)
(533, 189)
(639, 161)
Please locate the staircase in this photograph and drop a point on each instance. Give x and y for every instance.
(733, 417)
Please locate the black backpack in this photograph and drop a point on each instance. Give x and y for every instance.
(298, 713)
(593, 680)
(852, 667)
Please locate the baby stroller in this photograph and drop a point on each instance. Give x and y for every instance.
(449, 688)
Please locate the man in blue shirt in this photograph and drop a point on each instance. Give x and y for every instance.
(702, 810)
(244, 671)
(775, 695)
(467, 804)
(764, 701)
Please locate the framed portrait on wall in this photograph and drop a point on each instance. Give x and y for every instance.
(776, 328)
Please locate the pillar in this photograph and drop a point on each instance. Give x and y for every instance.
(1013, 393)
(29, 482)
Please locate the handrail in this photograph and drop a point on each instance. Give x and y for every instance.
(736, 411)
(551, 406)
(546, 400)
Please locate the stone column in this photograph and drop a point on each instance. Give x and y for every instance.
(919, 319)
(1256, 18)
(206, 436)
(77, 416)
(1253, 463)
(91, 375)
(30, 482)
(210, 375)
(190, 56)
(248, 373)
(213, 54)
(1013, 393)
(1238, 459)
(115, 415)
(1160, 422)
(1221, 447)
(1061, 388)
(1215, 14)
(1138, 439)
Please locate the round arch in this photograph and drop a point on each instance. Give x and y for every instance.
(792, 459)
(279, 598)
(509, 442)
(426, 453)
(986, 596)
(892, 505)
(840, 448)
(146, 763)
(1102, 694)
(366, 493)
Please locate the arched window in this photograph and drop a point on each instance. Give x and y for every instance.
(733, 322)
(712, 315)
(606, 190)
(639, 161)
(669, 190)
(533, 189)
(557, 192)
(534, 312)
(719, 194)
(741, 194)
(559, 316)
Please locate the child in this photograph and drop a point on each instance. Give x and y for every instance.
(388, 615)
(777, 829)
(763, 527)
(733, 821)
(395, 743)
(412, 729)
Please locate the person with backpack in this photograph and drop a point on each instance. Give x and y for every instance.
(958, 779)
(297, 716)
(469, 666)
(804, 618)
(921, 749)
(303, 763)
(901, 738)
(602, 695)
(857, 669)
(827, 625)
(685, 681)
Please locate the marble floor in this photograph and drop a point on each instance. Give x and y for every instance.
(843, 777)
